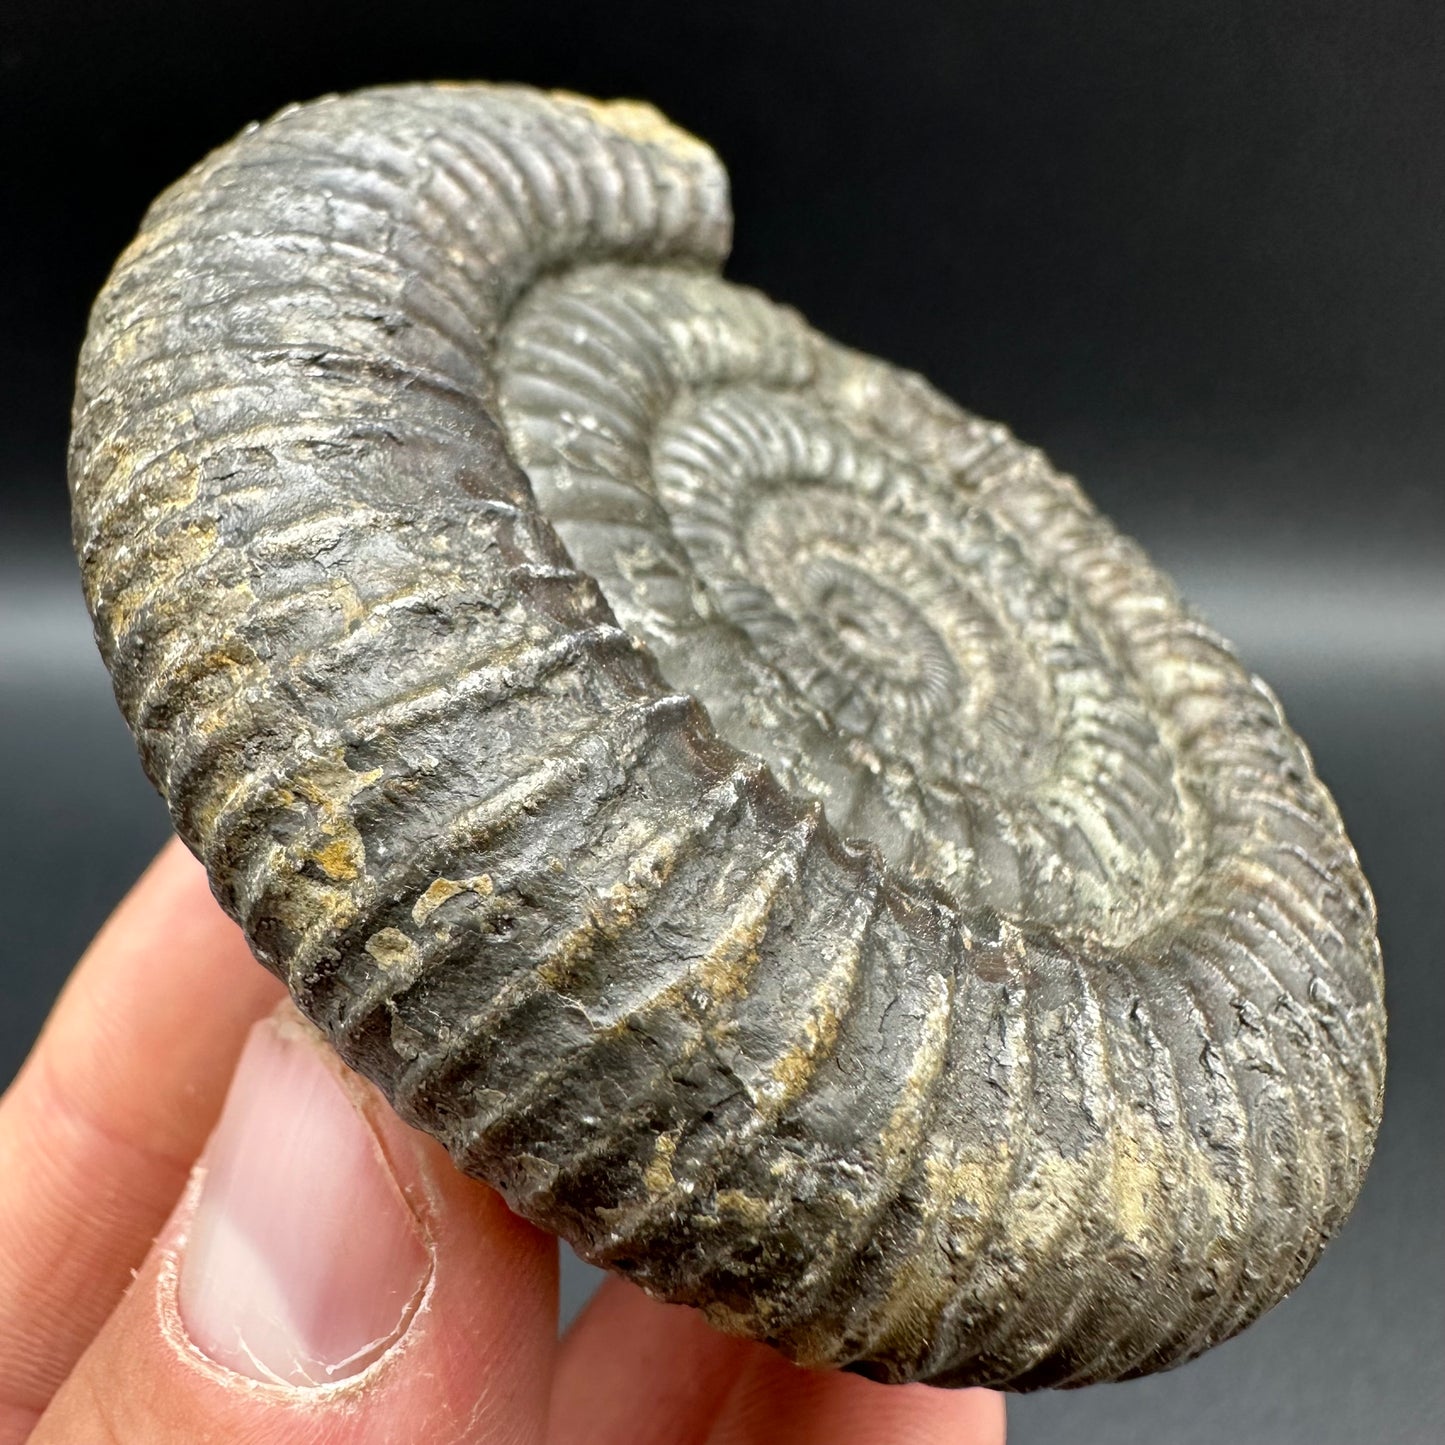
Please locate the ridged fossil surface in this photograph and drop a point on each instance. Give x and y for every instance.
(755, 813)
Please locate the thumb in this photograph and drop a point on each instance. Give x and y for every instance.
(327, 1277)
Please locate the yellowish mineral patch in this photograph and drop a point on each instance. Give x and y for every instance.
(658, 1174)
(329, 786)
(340, 859)
(391, 948)
(640, 122)
(743, 1205)
(443, 889)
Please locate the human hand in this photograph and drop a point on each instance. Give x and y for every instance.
(327, 1276)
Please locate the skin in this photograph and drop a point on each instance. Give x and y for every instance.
(99, 1135)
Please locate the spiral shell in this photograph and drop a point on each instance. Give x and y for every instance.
(754, 813)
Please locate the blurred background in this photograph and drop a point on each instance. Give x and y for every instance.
(1193, 250)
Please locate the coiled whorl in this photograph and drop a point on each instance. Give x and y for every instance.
(754, 813)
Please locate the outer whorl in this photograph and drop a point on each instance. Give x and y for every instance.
(756, 814)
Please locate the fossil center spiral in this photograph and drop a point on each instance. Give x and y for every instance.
(845, 606)
(881, 630)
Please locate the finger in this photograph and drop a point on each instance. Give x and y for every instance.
(632, 1371)
(103, 1122)
(637, 1371)
(774, 1400)
(327, 1279)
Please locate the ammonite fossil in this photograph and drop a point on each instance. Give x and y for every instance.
(756, 814)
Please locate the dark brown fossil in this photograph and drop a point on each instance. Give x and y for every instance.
(756, 814)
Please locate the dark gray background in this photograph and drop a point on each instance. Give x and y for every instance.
(1193, 249)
